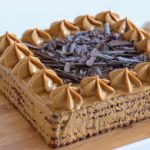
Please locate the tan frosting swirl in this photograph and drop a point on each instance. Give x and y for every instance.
(35, 36)
(108, 16)
(63, 29)
(44, 81)
(27, 67)
(6, 40)
(143, 71)
(94, 86)
(122, 26)
(144, 45)
(14, 53)
(66, 97)
(124, 79)
(87, 23)
(134, 35)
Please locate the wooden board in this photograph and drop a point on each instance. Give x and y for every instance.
(17, 134)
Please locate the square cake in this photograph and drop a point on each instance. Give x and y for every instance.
(76, 80)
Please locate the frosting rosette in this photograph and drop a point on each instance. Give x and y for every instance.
(66, 97)
(35, 36)
(94, 86)
(144, 45)
(143, 71)
(124, 79)
(88, 23)
(123, 26)
(44, 81)
(107, 17)
(13, 54)
(6, 40)
(27, 67)
(63, 29)
(134, 35)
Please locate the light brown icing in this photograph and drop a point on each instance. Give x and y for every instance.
(35, 36)
(87, 23)
(6, 40)
(63, 29)
(13, 54)
(122, 26)
(66, 97)
(44, 81)
(124, 79)
(27, 67)
(94, 86)
(134, 35)
(144, 45)
(143, 71)
(108, 17)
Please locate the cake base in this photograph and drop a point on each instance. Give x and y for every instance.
(63, 128)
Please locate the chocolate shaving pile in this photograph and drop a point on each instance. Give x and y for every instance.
(89, 53)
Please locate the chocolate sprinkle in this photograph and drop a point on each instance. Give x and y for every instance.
(89, 53)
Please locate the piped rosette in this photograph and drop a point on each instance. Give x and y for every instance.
(6, 40)
(44, 81)
(124, 80)
(143, 71)
(62, 29)
(94, 86)
(135, 35)
(123, 26)
(35, 37)
(66, 97)
(13, 54)
(27, 67)
(88, 23)
(107, 17)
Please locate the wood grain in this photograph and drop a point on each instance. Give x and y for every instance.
(17, 134)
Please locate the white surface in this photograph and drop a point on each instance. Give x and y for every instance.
(18, 15)
(140, 145)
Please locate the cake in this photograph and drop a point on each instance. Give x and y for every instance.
(76, 80)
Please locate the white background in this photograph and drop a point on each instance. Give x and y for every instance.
(18, 15)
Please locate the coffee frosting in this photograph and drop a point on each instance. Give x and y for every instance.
(144, 45)
(123, 26)
(124, 79)
(87, 23)
(13, 54)
(66, 97)
(134, 35)
(6, 40)
(44, 81)
(35, 37)
(27, 67)
(63, 29)
(94, 86)
(143, 71)
(108, 17)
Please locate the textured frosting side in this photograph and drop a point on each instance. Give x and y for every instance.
(94, 86)
(66, 97)
(107, 17)
(35, 37)
(44, 81)
(27, 67)
(143, 71)
(88, 23)
(134, 35)
(63, 29)
(6, 40)
(124, 79)
(13, 54)
(144, 45)
(123, 26)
